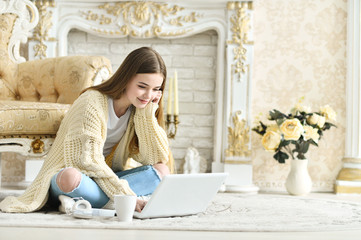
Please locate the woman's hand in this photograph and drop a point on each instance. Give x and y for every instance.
(140, 205)
(157, 97)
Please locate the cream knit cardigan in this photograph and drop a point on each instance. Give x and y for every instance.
(79, 144)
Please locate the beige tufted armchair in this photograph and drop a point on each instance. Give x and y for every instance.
(35, 95)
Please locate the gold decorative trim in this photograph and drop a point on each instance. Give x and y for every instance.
(238, 138)
(141, 19)
(41, 32)
(31, 11)
(347, 189)
(37, 146)
(241, 25)
(349, 174)
(238, 162)
(351, 160)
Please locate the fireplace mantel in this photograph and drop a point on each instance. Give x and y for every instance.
(169, 20)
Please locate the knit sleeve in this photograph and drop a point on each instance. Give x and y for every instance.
(93, 165)
(83, 149)
(152, 139)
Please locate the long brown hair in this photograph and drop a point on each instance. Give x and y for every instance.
(141, 60)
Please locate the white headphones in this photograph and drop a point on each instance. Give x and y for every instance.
(82, 205)
(83, 209)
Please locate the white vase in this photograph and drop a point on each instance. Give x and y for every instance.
(299, 181)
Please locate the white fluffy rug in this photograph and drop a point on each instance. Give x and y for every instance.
(228, 212)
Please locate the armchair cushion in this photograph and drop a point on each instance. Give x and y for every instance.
(58, 79)
(27, 118)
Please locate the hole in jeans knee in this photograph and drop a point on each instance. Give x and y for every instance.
(161, 169)
(68, 179)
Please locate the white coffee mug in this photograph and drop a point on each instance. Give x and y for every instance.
(124, 207)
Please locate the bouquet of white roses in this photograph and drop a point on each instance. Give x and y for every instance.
(293, 133)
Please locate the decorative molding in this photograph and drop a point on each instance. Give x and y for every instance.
(239, 58)
(41, 32)
(37, 145)
(237, 154)
(238, 139)
(28, 18)
(142, 19)
(25, 146)
(353, 104)
(240, 28)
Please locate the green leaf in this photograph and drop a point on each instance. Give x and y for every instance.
(281, 157)
(312, 142)
(280, 121)
(275, 115)
(301, 147)
(260, 129)
(328, 126)
(284, 143)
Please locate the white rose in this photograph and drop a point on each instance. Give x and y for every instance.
(292, 129)
(311, 133)
(316, 119)
(273, 128)
(300, 108)
(328, 112)
(271, 140)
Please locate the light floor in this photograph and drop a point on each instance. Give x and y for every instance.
(90, 234)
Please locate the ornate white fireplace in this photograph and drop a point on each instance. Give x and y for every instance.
(147, 20)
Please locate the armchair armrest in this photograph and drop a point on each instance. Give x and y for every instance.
(60, 79)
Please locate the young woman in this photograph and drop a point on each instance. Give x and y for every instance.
(109, 125)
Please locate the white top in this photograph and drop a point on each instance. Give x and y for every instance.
(116, 127)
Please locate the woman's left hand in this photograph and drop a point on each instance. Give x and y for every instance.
(157, 97)
(140, 205)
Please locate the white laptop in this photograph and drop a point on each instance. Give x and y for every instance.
(182, 194)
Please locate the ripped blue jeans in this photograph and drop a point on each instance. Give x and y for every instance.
(142, 180)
